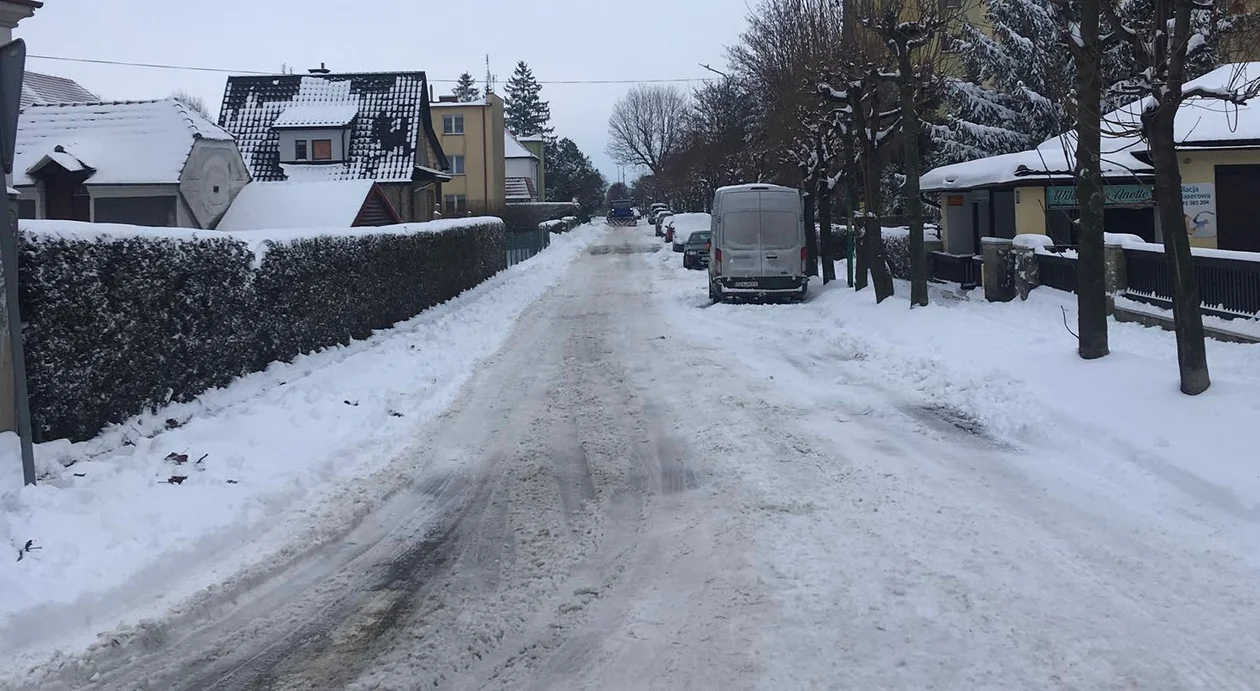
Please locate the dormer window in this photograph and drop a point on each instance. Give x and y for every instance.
(310, 133)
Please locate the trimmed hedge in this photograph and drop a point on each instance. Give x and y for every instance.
(117, 321)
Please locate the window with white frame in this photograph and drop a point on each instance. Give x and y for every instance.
(455, 164)
(452, 124)
(456, 204)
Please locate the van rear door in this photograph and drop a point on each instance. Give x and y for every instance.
(740, 236)
(781, 234)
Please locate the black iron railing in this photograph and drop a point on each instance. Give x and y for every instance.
(1057, 271)
(963, 269)
(1225, 285)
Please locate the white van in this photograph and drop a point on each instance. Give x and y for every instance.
(758, 244)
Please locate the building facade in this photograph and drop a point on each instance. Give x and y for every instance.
(472, 135)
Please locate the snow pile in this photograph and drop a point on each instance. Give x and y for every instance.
(119, 536)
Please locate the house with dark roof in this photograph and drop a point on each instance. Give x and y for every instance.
(326, 126)
(45, 89)
(150, 163)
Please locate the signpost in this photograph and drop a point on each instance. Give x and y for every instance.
(12, 67)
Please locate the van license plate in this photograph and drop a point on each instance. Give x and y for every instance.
(744, 284)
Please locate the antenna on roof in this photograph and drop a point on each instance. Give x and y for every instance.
(489, 77)
(322, 69)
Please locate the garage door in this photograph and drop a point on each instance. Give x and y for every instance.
(1238, 224)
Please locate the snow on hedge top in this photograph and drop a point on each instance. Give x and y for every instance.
(258, 241)
(125, 142)
(325, 204)
(316, 115)
(1201, 121)
(512, 147)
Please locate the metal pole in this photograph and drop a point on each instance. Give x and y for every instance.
(21, 404)
(848, 249)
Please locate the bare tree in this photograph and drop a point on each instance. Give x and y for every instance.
(914, 47)
(647, 125)
(1179, 30)
(1080, 24)
(196, 103)
(787, 45)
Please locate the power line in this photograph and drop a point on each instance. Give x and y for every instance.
(218, 70)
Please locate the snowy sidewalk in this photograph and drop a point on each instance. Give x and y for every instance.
(1010, 371)
(272, 465)
(993, 512)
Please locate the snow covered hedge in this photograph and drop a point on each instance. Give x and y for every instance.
(118, 319)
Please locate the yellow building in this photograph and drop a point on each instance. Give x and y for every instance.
(472, 137)
(1033, 191)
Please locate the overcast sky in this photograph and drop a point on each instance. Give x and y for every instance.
(568, 40)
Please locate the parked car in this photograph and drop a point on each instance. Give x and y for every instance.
(659, 221)
(681, 226)
(696, 250)
(758, 244)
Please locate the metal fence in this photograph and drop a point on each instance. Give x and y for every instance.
(963, 269)
(1057, 271)
(1226, 285)
(522, 246)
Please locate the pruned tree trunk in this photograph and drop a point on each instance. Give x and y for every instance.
(824, 231)
(811, 237)
(872, 240)
(914, 203)
(1091, 269)
(1191, 349)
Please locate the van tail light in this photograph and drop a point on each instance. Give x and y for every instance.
(804, 261)
(717, 262)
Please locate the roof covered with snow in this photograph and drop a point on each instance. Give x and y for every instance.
(126, 142)
(283, 205)
(47, 89)
(1201, 122)
(478, 103)
(388, 113)
(532, 138)
(311, 115)
(1208, 122)
(513, 148)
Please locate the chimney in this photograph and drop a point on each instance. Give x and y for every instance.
(320, 70)
(447, 99)
(431, 99)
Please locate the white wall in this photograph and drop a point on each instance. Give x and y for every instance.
(339, 137)
(522, 168)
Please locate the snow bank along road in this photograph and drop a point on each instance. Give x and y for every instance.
(640, 491)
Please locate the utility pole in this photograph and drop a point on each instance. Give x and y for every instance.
(12, 69)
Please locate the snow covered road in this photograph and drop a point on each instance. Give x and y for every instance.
(640, 491)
